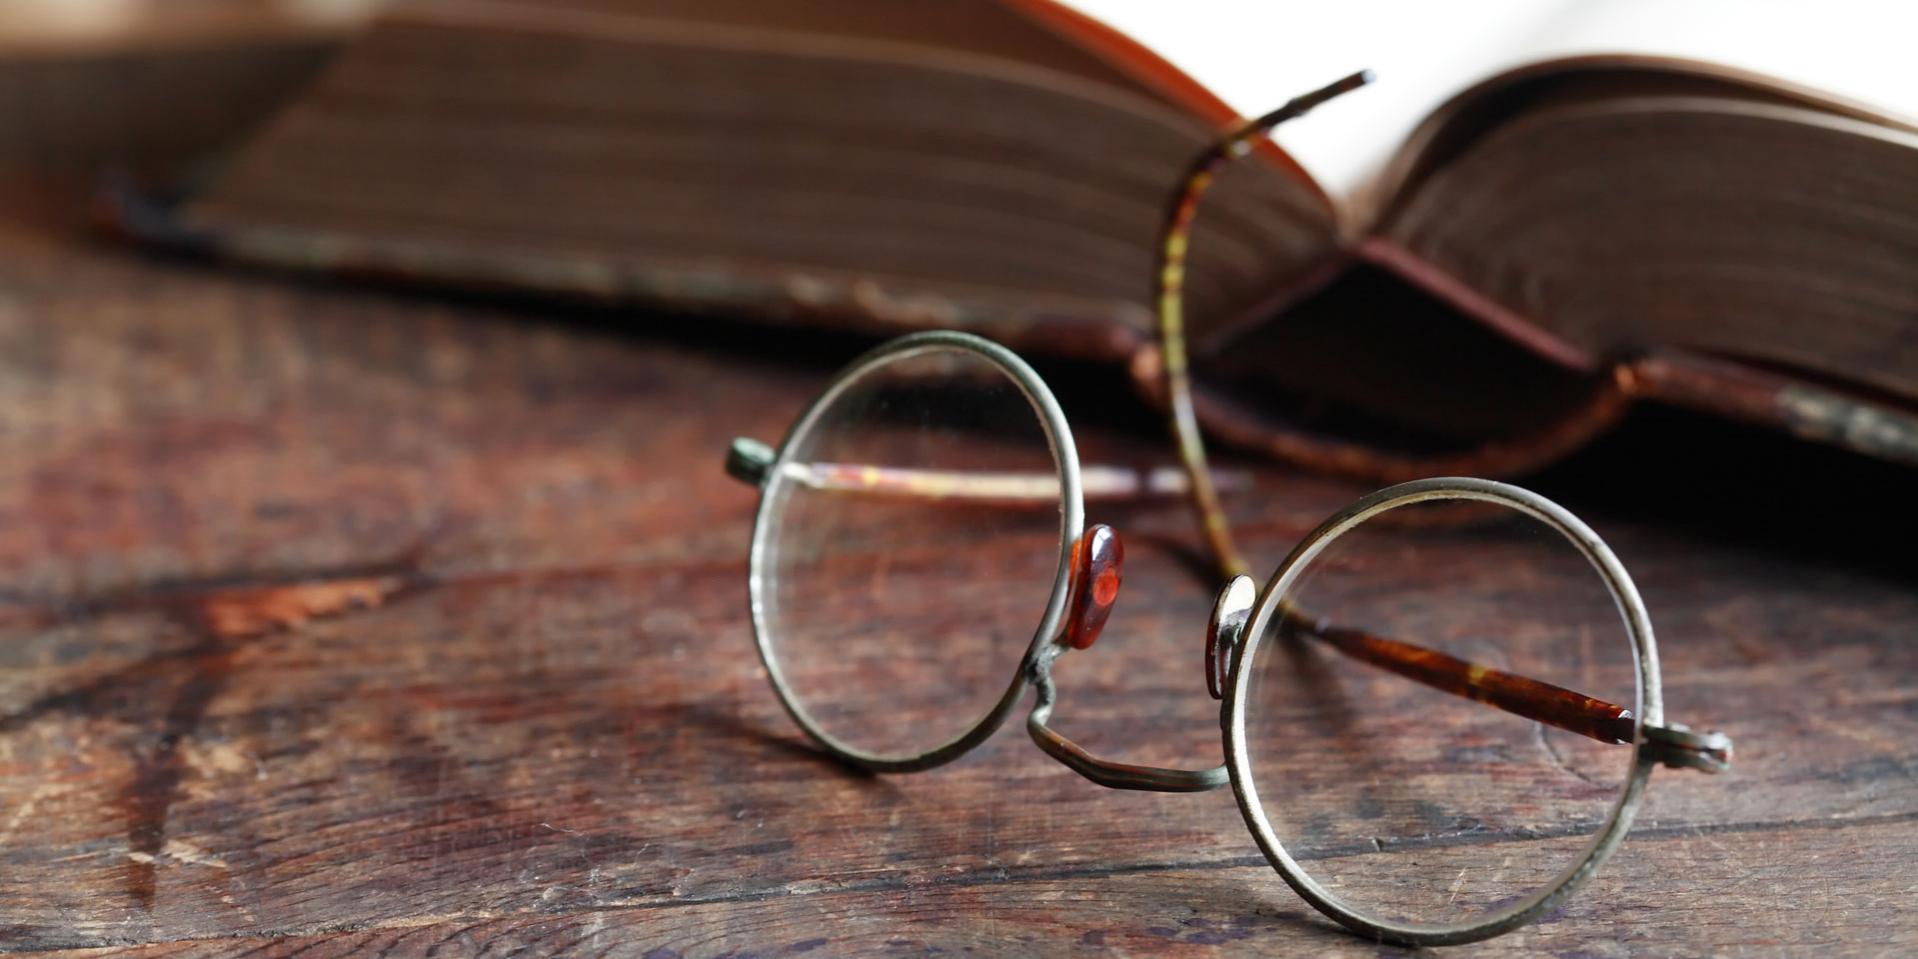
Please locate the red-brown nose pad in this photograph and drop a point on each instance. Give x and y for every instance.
(1096, 561)
(1222, 635)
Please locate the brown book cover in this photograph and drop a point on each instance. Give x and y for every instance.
(1544, 248)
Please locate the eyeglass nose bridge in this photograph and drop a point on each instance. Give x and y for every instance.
(1097, 559)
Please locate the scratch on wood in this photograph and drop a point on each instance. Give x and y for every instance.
(188, 853)
(26, 809)
(249, 612)
(222, 616)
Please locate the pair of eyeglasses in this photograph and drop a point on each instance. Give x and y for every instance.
(1424, 747)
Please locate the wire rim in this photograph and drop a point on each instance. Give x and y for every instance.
(1071, 523)
(1605, 839)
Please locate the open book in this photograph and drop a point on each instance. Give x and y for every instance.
(1474, 264)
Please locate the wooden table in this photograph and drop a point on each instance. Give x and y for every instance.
(338, 621)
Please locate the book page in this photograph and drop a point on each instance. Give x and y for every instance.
(1256, 55)
(63, 27)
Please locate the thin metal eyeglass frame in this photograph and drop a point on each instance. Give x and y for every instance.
(1232, 631)
(1240, 637)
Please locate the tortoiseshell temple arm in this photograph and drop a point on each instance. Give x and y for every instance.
(1520, 695)
(1010, 488)
(750, 461)
(1543, 702)
(1175, 237)
(1555, 706)
(1671, 745)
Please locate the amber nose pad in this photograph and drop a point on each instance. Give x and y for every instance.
(1222, 634)
(1097, 559)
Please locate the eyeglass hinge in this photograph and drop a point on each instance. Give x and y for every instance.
(1231, 610)
(1678, 747)
(748, 460)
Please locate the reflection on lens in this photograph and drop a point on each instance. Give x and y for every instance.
(1440, 723)
(913, 542)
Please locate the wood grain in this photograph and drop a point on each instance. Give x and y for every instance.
(341, 623)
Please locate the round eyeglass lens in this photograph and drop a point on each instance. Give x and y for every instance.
(912, 541)
(1439, 717)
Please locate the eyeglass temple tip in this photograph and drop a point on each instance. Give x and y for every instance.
(1677, 746)
(1300, 105)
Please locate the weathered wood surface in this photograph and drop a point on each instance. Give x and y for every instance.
(340, 623)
